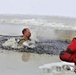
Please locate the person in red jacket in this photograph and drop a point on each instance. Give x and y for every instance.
(69, 55)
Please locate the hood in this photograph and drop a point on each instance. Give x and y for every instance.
(74, 40)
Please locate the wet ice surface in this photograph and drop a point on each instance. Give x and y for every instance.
(41, 47)
(22, 63)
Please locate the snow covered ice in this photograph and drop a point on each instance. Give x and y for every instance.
(57, 68)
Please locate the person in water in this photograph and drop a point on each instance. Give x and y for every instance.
(26, 36)
(69, 55)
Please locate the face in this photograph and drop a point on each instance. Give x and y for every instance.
(27, 33)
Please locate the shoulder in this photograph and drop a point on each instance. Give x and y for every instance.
(21, 41)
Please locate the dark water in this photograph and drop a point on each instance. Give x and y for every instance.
(43, 46)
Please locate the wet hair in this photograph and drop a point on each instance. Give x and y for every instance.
(24, 30)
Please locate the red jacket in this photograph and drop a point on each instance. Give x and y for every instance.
(69, 54)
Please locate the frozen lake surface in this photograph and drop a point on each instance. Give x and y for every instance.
(50, 34)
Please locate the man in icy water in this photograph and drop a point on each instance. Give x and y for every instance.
(69, 55)
(25, 41)
(26, 36)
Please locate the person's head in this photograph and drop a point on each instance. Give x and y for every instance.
(26, 32)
